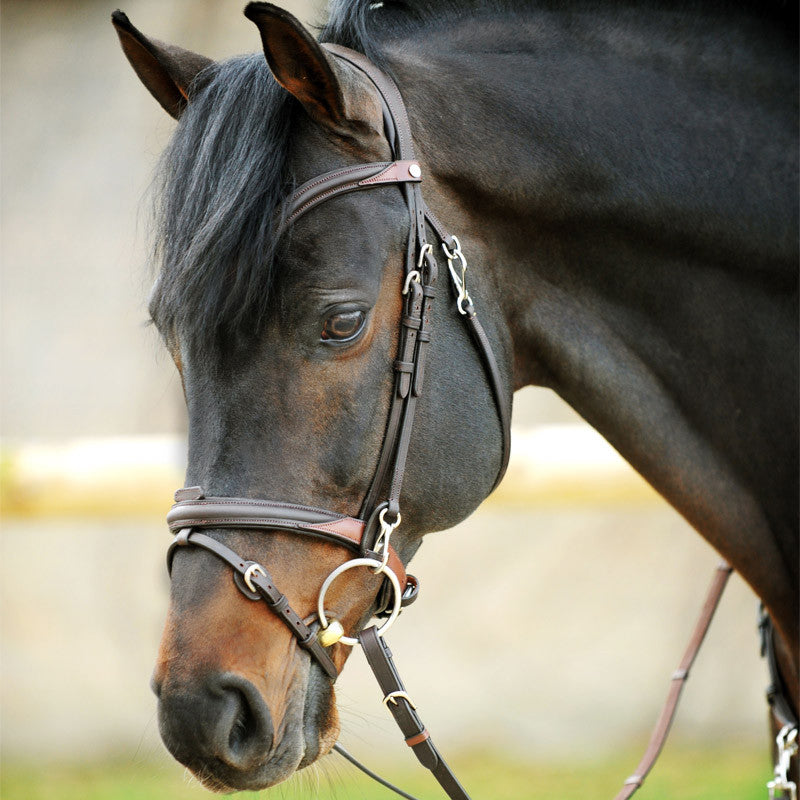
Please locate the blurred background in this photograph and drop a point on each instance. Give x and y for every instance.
(605, 581)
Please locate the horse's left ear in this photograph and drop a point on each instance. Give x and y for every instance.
(166, 70)
(300, 65)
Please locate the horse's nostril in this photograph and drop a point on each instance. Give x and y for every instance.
(245, 725)
(224, 719)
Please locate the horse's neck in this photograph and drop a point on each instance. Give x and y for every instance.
(633, 203)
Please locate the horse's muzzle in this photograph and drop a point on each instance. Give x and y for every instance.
(220, 728)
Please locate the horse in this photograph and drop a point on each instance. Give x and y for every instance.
(622, 179)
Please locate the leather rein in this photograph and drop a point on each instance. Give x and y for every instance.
(367, 536)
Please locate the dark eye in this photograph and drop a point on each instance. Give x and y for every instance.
(343, 327)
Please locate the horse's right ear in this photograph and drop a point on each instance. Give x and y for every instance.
(166, 70)
(300, 65)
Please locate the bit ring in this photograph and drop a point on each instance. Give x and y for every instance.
(361, 562)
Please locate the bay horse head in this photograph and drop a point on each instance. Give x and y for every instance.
(627, 178)
(296, 317)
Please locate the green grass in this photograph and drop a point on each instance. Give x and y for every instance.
(682, 774)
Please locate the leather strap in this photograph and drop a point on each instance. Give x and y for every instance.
(389, 93)
(235, 512)
(495, 383)
(340, 181)
(440, 230)
(679, 677)
(416, 322)
(417, 737)
(397, 701)
(391, 96)
(265, 586)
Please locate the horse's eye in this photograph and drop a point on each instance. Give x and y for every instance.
(343, 327)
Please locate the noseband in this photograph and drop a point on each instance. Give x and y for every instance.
(368, 535)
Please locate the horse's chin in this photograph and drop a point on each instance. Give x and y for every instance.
(309, 729)
(320, 717)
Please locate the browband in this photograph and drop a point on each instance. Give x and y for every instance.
(341, 181)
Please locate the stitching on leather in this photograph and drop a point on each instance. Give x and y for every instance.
(376, 178)
(300, 193)
(338, 174)
(264, 522)
(257, 504)
(311, 202)
(397, 179)
(207, 522)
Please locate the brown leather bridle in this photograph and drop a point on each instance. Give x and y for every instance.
(367, 536)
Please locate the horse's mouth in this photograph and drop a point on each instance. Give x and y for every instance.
(223, 751)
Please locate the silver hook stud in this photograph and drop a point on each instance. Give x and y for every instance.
(412, 276)
(459, 281)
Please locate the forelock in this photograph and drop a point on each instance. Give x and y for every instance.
(218, 186)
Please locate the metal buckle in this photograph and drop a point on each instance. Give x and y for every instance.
(248, 575)
(391, 698)
(787, 747)
(460, 281)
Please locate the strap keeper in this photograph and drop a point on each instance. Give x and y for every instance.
(307, 641)
(279, 605)
(415, 323)
(419, 738)
(633, 780)
(189, 493)
(424, 336)
(680, 675)
(403, 366)
(182, 536)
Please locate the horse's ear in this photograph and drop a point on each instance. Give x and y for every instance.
(166, 70)
(299, 64)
